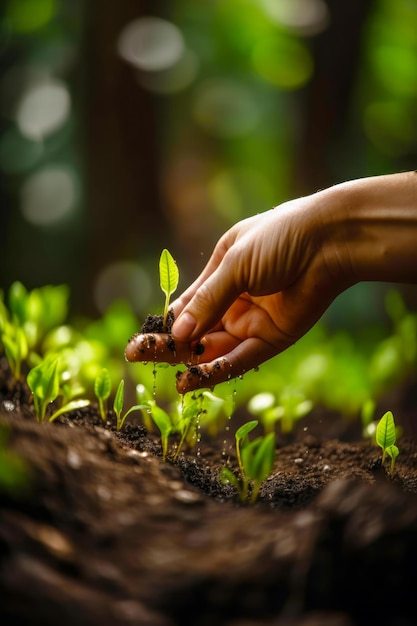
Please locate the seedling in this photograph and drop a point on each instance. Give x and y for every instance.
(118, 406)
(168, 277)
(386, 437)
(255, 460)
(15, 346)
(291, 407)
(43, 381)
(102, 389)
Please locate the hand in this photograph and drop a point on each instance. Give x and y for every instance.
(272, 276)
(265, 285)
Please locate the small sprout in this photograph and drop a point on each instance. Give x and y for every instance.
(168, 276)
(241, 438)
(255, 460)
(291, 407)
(102, 389)
(43, 381)
(163, 422)
(15, 347)
(386, 437)
(118, 406)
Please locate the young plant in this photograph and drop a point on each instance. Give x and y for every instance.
(291, 407)
(118, 403)
(15, 347)
(44, 383)
(386, 437)
(102, 389)
(255, 460)
(168, 277)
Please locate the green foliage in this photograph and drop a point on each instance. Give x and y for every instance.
(102, 389)
(386, 438)
(118, 404)
(255, 461)
(291, 407)
(169, 277)
(43, 381)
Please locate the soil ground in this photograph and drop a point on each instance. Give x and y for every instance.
(107, 534)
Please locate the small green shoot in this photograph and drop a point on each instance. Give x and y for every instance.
(118, 403)
(168, 276)
(102, 389)
(386, 437)
(241, 438)
(255, 460)
(15, 346)
(43, 381)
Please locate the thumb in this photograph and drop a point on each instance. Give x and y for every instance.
(207, 306)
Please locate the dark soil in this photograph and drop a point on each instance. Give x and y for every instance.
(107, 534)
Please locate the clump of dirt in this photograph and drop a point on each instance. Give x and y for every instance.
(155, 323)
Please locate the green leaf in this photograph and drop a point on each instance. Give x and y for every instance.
(161, 419)
(119, 399)
(245, 429)
(385, 431)
(67, 408)
(168, 273)
(102, 384)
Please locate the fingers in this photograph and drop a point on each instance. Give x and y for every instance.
(239, 357)
(161, 347)
(244, 357)
(208, 304)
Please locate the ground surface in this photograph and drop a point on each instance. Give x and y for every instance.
(106, 534)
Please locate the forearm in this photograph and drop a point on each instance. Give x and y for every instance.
(371, 228)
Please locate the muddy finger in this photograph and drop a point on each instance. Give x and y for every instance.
(162, 348)
(246, 356)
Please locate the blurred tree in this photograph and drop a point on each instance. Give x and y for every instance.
(122, 162)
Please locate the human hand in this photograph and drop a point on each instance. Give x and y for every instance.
(267, 282)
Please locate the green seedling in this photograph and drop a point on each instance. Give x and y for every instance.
(255, 460)
(15, 347)
(386, 437)
(44, 383)
(118, 403)
(291, 407)
(168, 277)
(102, 389)
(164, 424)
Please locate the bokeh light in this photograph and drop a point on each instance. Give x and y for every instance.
(226, 108)
(173, 79)
(151, 44)
(123, 280)
(25, 16)
(47, 196)
(283, 61)
(43, 109)
(306, 17)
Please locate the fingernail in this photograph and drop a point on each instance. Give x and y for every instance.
(183, 327)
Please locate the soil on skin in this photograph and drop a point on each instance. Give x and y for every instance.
(155, 323)
(106, 533)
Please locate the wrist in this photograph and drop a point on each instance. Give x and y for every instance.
(369, 229)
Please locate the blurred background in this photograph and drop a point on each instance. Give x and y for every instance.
(131, 126)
